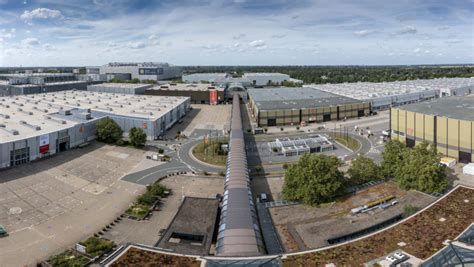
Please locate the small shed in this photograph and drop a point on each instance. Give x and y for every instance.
(449, 162)
(468, 169)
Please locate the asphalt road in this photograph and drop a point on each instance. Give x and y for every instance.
(181, 161)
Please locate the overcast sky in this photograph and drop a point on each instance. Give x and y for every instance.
(236, 32)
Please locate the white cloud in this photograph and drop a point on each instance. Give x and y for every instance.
(454, 41)
(7, 34)
(362, 33)
(416, 50)
(153, 39)
(443, 28)
(278, 36)
(49, 47)
(30, 42)
(41, 13)
(239, 36)
(136, 45)
(257, 43)
(408, 30)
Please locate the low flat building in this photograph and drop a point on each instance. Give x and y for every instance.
(199, 93)
(204, 77)
(143, 71)
(296, 106)
(120, 88)
(264, 79)
(448, 123)
(36, 126)
(33, 83)
(192, 229)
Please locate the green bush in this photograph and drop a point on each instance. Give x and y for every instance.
(108, 131)
(68, 259)
(158, 190)
(147, 199)
(137, 137)
(138, 211)
(409, 210)
(97, 246)
(161, 150)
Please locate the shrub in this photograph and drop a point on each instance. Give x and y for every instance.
(97, 246)
(137, 137)
(161, 150)
(108, 131)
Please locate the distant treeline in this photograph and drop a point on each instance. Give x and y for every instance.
(342, 74)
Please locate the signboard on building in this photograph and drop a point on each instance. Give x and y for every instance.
(44, 144)
(213, 97)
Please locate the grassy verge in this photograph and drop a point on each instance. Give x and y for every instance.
(68, 258)
(210, 153)
(138, 211)
(346, 141)
(97, 246)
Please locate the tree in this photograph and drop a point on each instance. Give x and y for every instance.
(421, 170)
(392, 157)
(137, 137)
(314, 179)
(108, 131)
(363, 170)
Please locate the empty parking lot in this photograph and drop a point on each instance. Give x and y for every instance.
(49, 205)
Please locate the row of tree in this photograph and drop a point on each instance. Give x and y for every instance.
(109, 131)
(317, 179)
(342, 74)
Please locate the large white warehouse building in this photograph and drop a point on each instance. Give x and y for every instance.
(36, 126)
(387, 94)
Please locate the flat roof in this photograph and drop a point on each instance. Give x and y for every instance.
(121, 85)
(295, 98)
(35, 108)
(367, 90)
(455, 107)
(196, 218)
(187, 87)
(264, 74)
(45, 84)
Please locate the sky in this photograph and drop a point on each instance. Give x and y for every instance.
(236, 32)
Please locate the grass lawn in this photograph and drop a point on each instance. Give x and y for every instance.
(346, 141)
(208, 153)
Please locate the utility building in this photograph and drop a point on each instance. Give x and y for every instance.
(447, 123)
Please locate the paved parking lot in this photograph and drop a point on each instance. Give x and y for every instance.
(49, 205)
(203, 117)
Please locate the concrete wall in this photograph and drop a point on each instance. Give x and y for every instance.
(308, 115)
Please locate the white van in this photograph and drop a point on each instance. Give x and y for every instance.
(263, 197)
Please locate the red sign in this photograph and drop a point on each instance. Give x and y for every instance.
(213, 97)
(44, 149)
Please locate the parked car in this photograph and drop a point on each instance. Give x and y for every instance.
(263, 197)
(3, 231)
(386, 132)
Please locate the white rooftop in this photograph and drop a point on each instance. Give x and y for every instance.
(187, 87)
(41, 112)
(366, 90)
